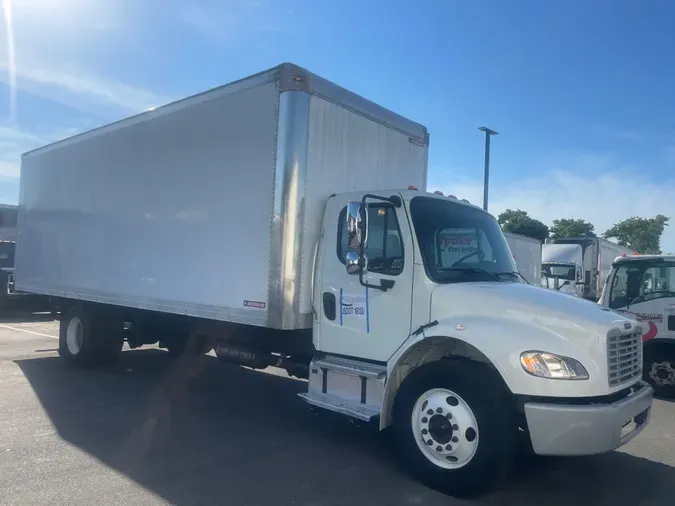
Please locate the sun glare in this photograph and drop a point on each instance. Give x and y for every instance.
(11, 57)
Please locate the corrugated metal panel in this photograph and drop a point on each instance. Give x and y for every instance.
(171, 213)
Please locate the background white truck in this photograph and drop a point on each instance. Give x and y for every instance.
(598, 255)
(562, 267)
(299, 250)
(527, 253)
(455, 244)
(643, 287)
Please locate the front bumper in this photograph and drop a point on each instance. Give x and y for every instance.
(568, 429)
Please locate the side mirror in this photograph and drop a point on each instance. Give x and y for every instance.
(357, 226)
(357, 237)
(355, 263)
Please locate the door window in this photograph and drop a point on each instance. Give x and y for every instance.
(385, 244)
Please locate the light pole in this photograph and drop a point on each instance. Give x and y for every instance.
(486, 181)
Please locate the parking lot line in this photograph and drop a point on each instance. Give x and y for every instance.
(19, 329)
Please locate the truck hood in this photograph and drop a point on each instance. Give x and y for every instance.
(528, 304)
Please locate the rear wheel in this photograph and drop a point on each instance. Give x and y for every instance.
(89, 338)
(455, 427)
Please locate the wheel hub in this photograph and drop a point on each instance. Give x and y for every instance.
(440, 429)
(74, 336)
(663, 373)
(445, 428)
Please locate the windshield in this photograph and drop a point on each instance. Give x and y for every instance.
(560, 271)
(461, 243)
(7, 254)
(636, 282)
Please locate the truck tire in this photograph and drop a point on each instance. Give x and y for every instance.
(89, 339)
(455, 427)
(658, 368)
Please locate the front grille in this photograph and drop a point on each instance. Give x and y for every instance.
(624, 357)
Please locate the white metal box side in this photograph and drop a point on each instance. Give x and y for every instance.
(527, 254)
(167, 211)
(607, 253)
(348, 151)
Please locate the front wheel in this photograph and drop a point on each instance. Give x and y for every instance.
(455, 427)
(659, 368)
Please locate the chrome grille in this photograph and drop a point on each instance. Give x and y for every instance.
(624, 357)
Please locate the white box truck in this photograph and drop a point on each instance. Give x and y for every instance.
(527, 254)
(563, 268)
(304, 245)
(598, 255)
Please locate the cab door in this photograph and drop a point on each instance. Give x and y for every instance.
(360, 321)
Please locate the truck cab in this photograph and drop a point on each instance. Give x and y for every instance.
(562, 268)
(643, 288)
(422, 322)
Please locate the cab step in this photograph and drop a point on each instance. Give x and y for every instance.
(338, 405)
(346, 386)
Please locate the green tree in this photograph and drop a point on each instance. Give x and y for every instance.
(519, 222)
(570, 227)
(639, 234)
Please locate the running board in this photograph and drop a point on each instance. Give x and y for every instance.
(346, 386)
(331, 403)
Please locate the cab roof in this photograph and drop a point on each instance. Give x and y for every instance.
(644, 258)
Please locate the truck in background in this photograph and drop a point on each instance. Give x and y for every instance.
(10, 298)
(562, 268)
(643, 287)
(598, 255)
(527, 254)
(301, 248)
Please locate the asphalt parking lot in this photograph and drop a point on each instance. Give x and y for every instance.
(147, 431)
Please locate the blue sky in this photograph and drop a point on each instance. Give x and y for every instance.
(580, 92)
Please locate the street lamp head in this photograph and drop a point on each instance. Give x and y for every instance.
(487, 130)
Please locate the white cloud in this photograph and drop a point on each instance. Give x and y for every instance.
(15, 141)
(49, 82)
(601, 198)
(232, 20)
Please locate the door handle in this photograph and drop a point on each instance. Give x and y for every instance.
(329, 305)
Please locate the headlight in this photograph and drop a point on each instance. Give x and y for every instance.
(547, 365)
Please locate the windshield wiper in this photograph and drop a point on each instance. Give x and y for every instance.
(513, 273)
(474, 270)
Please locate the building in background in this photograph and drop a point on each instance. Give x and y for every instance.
(8, 217)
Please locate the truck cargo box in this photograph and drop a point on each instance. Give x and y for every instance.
(527, 254)
(210, 206)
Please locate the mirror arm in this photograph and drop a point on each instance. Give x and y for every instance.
(385, 284)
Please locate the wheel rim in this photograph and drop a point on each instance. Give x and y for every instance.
(445, 428)
(662, 373)
(74, 336)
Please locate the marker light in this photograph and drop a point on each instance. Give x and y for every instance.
(412, 187)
